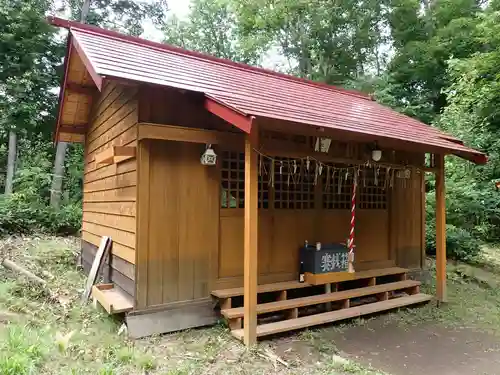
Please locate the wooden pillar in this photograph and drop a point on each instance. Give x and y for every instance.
(440, 230)
(250, 238)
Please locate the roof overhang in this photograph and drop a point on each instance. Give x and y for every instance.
(241, 111)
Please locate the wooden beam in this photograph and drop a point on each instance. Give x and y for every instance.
(183, 134)
(70, 137)
(114, 155)
(80, 89)
(268, 148)
(250, 238)
(142, 223)
(440, 230)
(73, 128)
(229, 114)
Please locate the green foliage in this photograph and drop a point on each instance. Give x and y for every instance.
(460, 243)
(334, 43)
(23, 214)
(126, 16)
(211, 28)
(425, 38)
(27, 210)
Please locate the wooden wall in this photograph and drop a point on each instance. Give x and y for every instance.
(407, 222)
(282, 232)
(188, 245)
(109, 191)
(177, 223)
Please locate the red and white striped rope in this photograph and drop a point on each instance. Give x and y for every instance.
(353, 212)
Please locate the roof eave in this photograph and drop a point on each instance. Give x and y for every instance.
(62, 90)
(230, 114)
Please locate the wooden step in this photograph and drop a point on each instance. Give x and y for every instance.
(276, 287)
(336, 277)
(328, 317)
(112, 299)
(322, 298)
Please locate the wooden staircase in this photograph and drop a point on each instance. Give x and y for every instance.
(297, 305)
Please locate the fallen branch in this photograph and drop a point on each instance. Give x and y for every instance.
(269, 355)
(7, 263)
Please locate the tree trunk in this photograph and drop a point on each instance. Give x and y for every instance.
(11, 162)
(57, 178)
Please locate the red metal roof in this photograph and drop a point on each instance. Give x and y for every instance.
(250, 91)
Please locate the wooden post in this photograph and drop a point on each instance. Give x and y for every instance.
(440, 230)
(250, 238)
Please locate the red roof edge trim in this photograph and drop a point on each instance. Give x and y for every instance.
(229, 114)
(62, 89)
(88, 64)
(480, 159)
(56, 21)
(476, 157)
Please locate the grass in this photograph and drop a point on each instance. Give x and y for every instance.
(54, 334)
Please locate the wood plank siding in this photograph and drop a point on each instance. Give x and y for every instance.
(178, 223)
(109, 191)
(407, 220)
(191, 217)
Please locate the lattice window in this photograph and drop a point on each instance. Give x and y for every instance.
(337, 188)
(293, 190)
(233, 182)
(373, 187)
(371, 194)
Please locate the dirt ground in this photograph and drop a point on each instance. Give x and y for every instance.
(420, 349)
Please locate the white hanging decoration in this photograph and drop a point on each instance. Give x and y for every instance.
(404, 174)
(294, 166)
(322, 145)
(281, 167)
(209, 157)
(308, 163)
(320, 170)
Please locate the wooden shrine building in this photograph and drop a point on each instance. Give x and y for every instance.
(209, 176)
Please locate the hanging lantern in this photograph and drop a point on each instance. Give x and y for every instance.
(209, 157)
(376, 153)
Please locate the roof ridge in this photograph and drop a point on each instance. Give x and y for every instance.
(56, 21)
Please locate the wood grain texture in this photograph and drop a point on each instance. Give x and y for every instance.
(115, 269)
(181, 234)
(328, 317)
(440, 230)
(406, 221)
(171, 318)
(322, 298)
(334, 277)
(250, 239)
(183, 134)
(142, 224)
(110, 190)
(122, 251)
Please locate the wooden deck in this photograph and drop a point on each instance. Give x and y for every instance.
(373, 291)
(333, 316)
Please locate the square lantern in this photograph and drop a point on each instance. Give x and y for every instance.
(209, 157)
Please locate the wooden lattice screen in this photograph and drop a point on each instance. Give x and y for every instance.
(297, 190)
(292, 191)
(337, 189)
(372, 189)
(233, 181)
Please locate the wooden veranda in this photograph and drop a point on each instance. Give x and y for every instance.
(251, 309)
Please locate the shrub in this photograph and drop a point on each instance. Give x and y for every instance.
(460, 243)
(22, 214)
